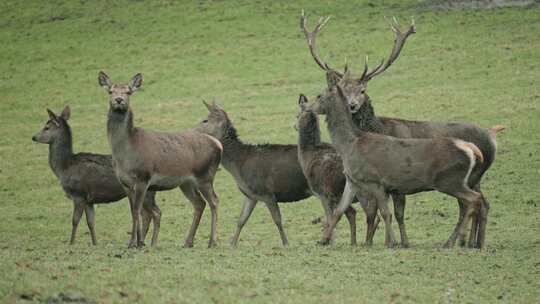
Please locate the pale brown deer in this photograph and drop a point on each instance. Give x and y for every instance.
(87, 178)
(364, 118)
(377, 165)
(154, 161)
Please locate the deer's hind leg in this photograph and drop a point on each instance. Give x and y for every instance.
(207, 191)
(472, 202)
(198, 202)
(247, 209)
(482, 220)
(276, 217)
(345, 202)
(91, 222)
(151, 212)
(399, 212)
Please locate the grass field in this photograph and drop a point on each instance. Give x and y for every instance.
(480, 66)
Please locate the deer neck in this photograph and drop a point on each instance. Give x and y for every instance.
(365, 119)
(119, 130)
(340, 126)
(310, 134)
(233, 148)
(61, 152)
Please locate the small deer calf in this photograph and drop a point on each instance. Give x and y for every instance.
(87, 178)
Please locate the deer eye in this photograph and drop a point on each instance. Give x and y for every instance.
(129, 92)
(46, 128)
(110, 92)
(205, 121)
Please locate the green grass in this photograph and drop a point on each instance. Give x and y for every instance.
(476, 66)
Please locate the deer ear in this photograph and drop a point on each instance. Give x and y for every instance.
(136, 82)
(332, 79)
(53, 117)
(66, 113)
(302, 101)
(209, 107)
(104, 80)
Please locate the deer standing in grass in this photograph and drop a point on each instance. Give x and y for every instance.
(270, 172)
(154, 161)
(377, 165)
(87, 178)
(364, 118)
(323, 167)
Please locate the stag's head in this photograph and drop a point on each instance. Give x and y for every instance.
(353, 88)
(54, 127)
(119, 93)
(216, 124)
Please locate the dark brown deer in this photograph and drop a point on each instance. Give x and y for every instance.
(323, 167)
(270, 172)
(364, 118)
(153, 161)
(377, 165)
(87, 178)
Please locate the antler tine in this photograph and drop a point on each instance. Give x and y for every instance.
(399, 41)
(310, 37)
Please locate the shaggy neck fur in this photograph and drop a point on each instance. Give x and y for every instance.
(61, 149)
(309, 134)
(119, 128)
(365, 119)
(232, 145)
(340, 124)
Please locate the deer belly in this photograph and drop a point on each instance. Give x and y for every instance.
(161, 183)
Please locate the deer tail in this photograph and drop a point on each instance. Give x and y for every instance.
(477, 153)
(496, 129)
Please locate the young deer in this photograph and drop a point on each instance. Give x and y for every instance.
(270, 173)
(377, 166)
(364, 118)
(86, 178)
(153, 161)
(323, 167)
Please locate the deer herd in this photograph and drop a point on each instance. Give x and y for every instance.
(370, 159)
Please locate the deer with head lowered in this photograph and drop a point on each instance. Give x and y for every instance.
(377, 165)
(87, 178)
(146, 160)
(270, 172)
(364, 118)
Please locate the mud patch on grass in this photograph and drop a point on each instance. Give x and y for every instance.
(476, 4)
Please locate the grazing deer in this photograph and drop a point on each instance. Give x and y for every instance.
(378, 165)
(153, 161)
(87, 178)
(364, 118)
(323, 167)
(270, 173)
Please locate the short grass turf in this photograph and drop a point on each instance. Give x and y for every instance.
(480, 66)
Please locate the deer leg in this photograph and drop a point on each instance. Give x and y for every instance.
(156, 216)
(199, 204)
(328, 207)
(484, 210)
(372, 219)
(345, 202)
(462, 209)
(78, 208)
(146, 215)
(276, 216)
(139, 193)
(209, 194)
(350, 213)
(249, 205)
(382, 203)
(90, 221)
(399, 212)
(474, 231)
(472, 201)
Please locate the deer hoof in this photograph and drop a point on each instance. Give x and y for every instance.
(324, 242)
(188, 245)
(405, 245)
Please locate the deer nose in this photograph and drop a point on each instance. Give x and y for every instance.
(119, 100)
(34, 138)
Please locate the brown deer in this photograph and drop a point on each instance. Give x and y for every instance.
(154, 161)
(323, 167)
(377, 165)
(270, 172)
(87, 178)
(364, 118)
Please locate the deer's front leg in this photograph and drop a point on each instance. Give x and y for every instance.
(346, 199)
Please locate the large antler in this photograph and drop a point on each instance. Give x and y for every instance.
(399, 41)
(310, 36)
